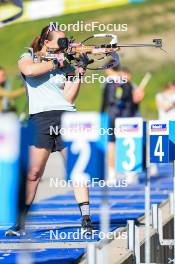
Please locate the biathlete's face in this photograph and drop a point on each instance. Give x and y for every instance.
(53, 44)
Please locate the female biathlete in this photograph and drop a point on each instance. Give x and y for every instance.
(49, 94)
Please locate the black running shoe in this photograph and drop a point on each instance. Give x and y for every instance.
(19, 228)
(86, 225)
(15, 230)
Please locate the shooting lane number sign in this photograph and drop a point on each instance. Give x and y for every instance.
(129, 144)
(159, 141)
(86, 140)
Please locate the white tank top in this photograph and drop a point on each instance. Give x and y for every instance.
(45, 92)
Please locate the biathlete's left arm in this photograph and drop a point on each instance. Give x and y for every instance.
(71, 88)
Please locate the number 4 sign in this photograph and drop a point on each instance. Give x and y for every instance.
(159, 141)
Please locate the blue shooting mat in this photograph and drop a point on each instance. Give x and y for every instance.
(125, 203)
(61, 207)
(76, 218)
(112, 197)
(54, 219)
(135, 205)
(51, 207)
(60, 234)
(46, 256)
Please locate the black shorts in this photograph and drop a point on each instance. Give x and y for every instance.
(111, 137)
(45, 129)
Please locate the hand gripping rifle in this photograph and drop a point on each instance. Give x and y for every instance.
(72, 51)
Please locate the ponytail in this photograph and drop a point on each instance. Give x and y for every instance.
(36, 44)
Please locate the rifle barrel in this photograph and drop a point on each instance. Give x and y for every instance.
(136, 45)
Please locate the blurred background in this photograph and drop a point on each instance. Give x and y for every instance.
(146, 20)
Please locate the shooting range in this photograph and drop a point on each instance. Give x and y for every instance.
(87, 132)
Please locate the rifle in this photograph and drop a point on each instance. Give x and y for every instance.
(72, 51)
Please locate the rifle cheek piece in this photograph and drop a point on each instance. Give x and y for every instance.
(63, 43)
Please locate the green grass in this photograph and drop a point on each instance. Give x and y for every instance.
(144, 19)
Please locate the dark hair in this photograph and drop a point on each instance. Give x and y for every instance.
(38, 42)
(1, 68)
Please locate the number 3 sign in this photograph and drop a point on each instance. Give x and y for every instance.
(159, 141)
(129, 144)
(86, 140)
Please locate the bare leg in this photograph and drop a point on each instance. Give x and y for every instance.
(81, 192)
(111, 161)
(39, 157)
(111, 154)
(82, 197)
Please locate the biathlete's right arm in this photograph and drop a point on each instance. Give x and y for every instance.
(29, 68)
